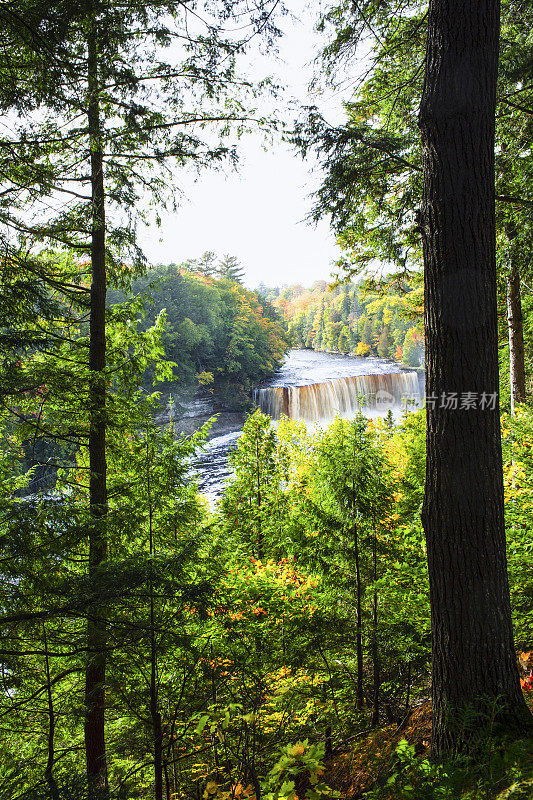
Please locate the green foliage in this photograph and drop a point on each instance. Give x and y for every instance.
(254, 656)
(237, 628)
(412, 348)
(373, 177)
(517, 436)
(233, 631)
(354, 318)
(350, 466)
(214, 327)
(252, 499)
(295, 760)
(385, 344)
(477, 777)
(416, 778)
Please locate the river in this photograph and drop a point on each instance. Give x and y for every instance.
(311, 386)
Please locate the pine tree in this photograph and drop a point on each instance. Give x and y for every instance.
(251, 500)
(366, 332)
(344, 340)
(346, 304)
(384, 343)
(231, 269)
(206, 264)
(319, 327)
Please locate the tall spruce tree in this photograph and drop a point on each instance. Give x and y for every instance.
(230, 268)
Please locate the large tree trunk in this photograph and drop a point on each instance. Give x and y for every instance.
(474, 662)
(376, 666)
(154, 700)
(49, 769)
(359, 629)
(96, 626)
(515, 321)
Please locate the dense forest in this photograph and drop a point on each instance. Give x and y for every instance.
(217, 333)
(354, 318)
(354, 617)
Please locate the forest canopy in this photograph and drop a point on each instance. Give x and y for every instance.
(217, 333)
(355, 318)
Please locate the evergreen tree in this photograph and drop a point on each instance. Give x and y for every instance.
(351, 489)
(319, 326)
(346, 304)
(384, 343)
(252, 499)
(366, 331)
(116, 114)
(206, 264)
(379, 149)
(343, 345)
(230, 268)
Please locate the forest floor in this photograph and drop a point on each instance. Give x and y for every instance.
(368, 764)
(360, 767)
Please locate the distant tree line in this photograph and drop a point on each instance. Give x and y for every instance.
(218, 333)
(354, 319)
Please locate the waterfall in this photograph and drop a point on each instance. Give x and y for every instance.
(344, 396)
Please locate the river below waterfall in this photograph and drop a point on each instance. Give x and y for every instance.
(311, 386)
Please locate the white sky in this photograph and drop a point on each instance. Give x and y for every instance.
(258, 214)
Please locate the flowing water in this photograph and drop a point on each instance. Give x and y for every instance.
(314, 387)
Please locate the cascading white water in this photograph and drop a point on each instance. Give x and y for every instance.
(344, 396)
(313, 386)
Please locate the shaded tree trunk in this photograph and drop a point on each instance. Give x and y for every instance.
(515, 321)
(474, 662)
(359, 629)
(167, 781)
(49, 769)
(154, 703)
(96, 625)
(376, 666)
(328, 744)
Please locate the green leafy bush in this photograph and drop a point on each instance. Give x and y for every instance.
(296, 759)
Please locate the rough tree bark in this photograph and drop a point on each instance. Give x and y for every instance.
(474, 662)
(49, 769)
(376, 665)
(155, 714)
(96, 627)
(359, 629)
(515, 322)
